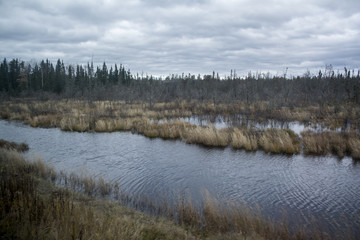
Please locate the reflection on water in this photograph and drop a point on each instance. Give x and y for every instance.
(242, 121)
(321, 186)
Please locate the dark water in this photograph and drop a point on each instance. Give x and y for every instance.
(324, 187)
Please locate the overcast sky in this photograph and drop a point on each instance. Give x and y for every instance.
(161, 36)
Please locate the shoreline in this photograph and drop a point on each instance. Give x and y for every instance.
(211, 221)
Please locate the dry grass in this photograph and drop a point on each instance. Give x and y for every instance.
(275, 141)
(33, 208)
(33, 112)
(279, 141)
(270, 140)
(354, 147)
(109, 116)
(208, 136)
(339, 143)
(45, 121)
(244, 140)
(22, 147)
(235, 220)
(75, 124)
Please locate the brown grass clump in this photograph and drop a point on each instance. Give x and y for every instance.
(102, 126)
(280, 141)
(354, 147)
(235, 220)
(123, 124)
(45, 121)
(174, 130)
(22, 147)
(103, 187)
(242, 139)
(188, 214)
(75, 124)
(89, 185)
(270, 140)
(339, 143)
(208, 136)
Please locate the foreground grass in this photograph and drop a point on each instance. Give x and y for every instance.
(33, 208)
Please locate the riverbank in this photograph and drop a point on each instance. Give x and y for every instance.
(35, 208)
(162, 121)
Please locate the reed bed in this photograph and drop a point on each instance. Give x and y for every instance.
(33, 208)
(338, 143)
(332, 116)
(208, 136)
(79, 124)
(161, 121)
(271, 140)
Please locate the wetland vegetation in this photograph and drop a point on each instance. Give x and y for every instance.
(84, 99)
(40, 203)
(163, 120)
(93, 98)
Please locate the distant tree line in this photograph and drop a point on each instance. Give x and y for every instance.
(16, 76)
(116, 82)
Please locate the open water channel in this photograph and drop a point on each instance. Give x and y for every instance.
(324, 187)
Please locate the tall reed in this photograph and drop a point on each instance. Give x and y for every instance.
(339, 143)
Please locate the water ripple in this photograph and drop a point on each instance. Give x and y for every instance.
(322, 186)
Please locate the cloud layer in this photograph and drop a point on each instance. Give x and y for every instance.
(162, 36)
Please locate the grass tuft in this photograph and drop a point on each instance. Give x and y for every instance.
(22, 147)
(339, 143)
(270, 140)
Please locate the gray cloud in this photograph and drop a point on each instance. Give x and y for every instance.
(162, 36)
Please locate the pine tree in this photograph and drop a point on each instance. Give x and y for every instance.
(4, 76)
(111, 76)
(104, 74)
(14, 69)
(116, 75)
(36, 78)
(59, 77)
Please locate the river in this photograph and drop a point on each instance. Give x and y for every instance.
(324, 187)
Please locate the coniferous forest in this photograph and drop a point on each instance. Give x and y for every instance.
(47, 79)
